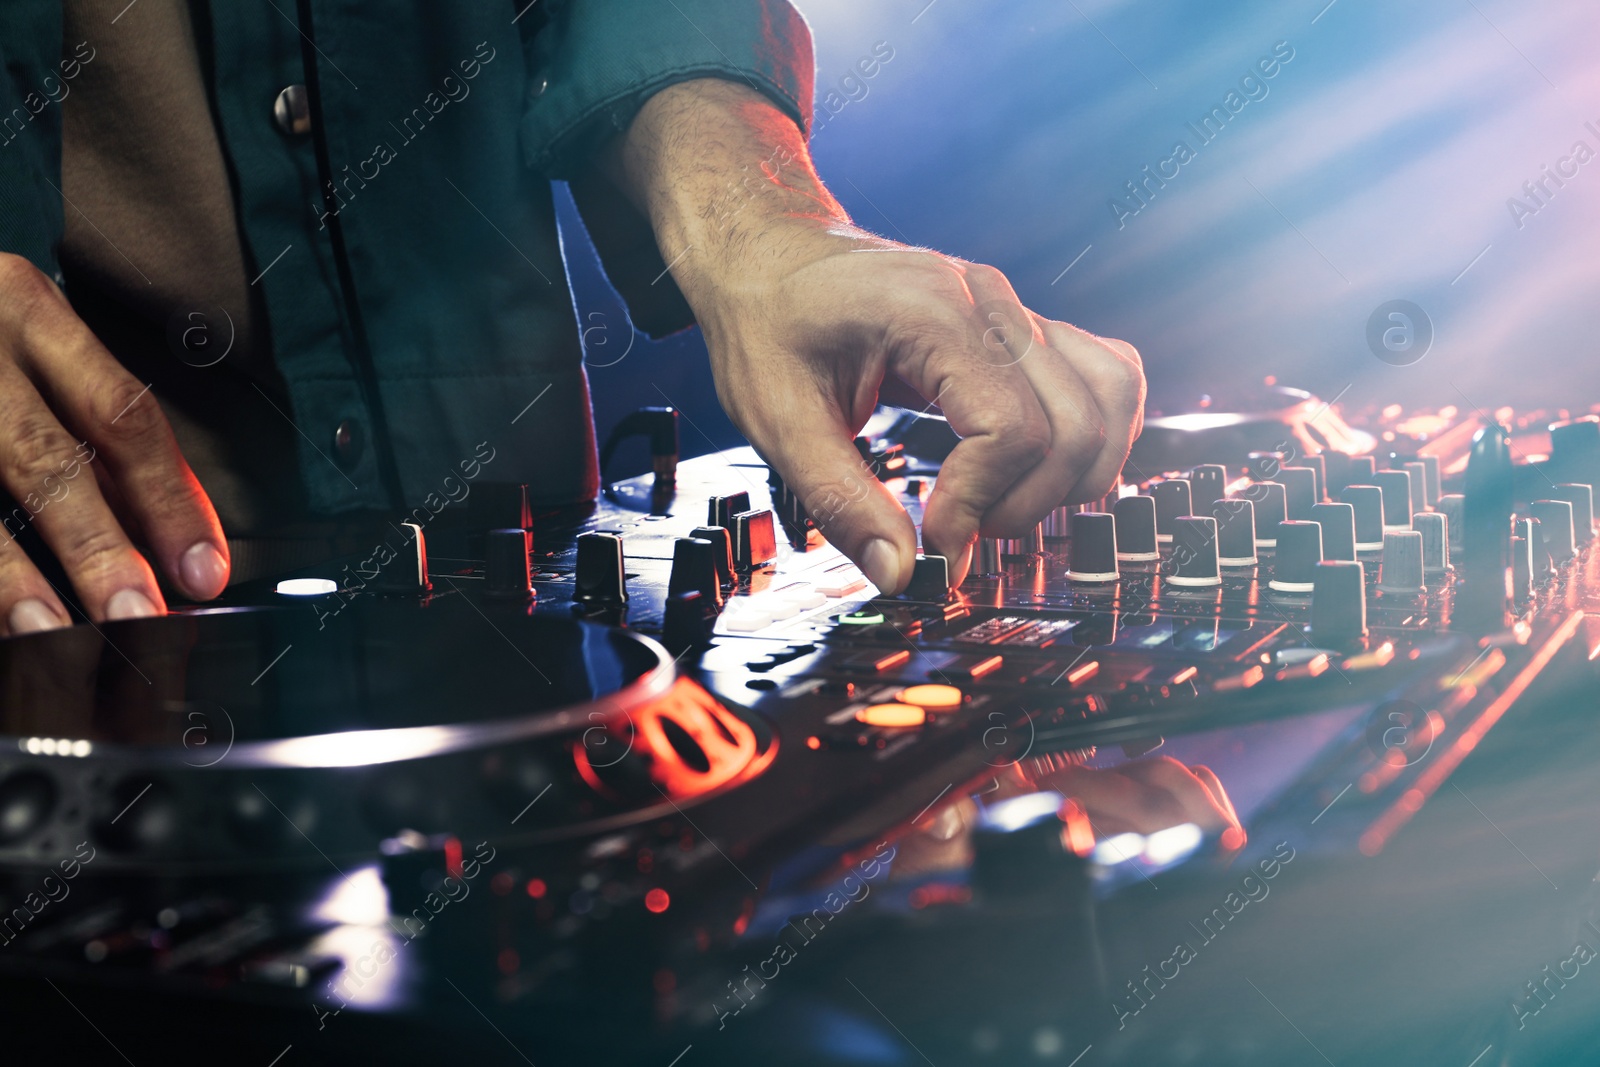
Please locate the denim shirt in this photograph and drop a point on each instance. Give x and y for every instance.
(416, 293)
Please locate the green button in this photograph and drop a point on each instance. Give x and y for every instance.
(864, 617)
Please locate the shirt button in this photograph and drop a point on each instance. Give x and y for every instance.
(292, 111)
(348, 440)
(540, 87)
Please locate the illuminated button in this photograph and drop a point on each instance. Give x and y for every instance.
(1244, 680)
(864, 617)
(931, 696)
(893, 716)
(874, 662)
(985, 667)
(1083, 672)
(307, 586)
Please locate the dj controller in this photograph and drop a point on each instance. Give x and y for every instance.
(666, 776)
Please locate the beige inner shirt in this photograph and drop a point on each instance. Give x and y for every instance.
(152, 237)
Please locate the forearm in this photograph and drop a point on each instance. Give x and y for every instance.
(718, 170)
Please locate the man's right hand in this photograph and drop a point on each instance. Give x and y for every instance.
(68, 408)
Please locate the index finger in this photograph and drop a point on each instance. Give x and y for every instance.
(96, 397)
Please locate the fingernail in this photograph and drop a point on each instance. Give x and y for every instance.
(32, 615)
(204, 571)
(129, 604)
(881, 560)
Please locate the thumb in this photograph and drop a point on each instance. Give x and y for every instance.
(858, 515)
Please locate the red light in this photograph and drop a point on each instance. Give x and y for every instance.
(537, 888)
(657, 901)
(452, 856)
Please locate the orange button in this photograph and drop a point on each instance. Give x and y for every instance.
(892, 716)
(931, 696)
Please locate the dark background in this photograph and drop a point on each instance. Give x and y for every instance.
(1378, 166)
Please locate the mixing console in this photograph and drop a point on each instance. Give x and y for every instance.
(483, 716)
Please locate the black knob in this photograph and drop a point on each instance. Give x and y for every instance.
(686, 622)
(1338, 522)
(1338, 603)
(1434, 528)
(1396, 486)
(1402, 563)
(1575, 449)
(1581, 497)
(1174, 500)
(722, 539)
(142, 817)
(407, 572)
(1264, 466)
(1320, 469)
(1541, 566)
(1367, 500)
(1194, 552)
(1555, 519)
(505, 564)
(694, 570)
(930, 578)
(755, 541)
(1453, 507)
(1208, 484)
(1336, 470)
(1136, 529)
(1490, 486)
(1272, 507)
(1092, 555)
(1431, 483)
(722, 509)
(1360, 470)
(1300, 491)
(598, 575)
(500, 506)
(1236, 532)
(1295, 560)
(789, 509)
(1418, 472)
(660, 426)
(27, 800)
(1521, 570)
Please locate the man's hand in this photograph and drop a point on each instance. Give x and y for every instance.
(77, 431)
(805, 317)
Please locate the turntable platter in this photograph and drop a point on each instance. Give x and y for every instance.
(260, 735)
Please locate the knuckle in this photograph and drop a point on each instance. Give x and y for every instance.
(92, 550)
(1127, 352)
(1031, 440)
(27, 290)
(19, 276)
(985, 276)
(124, 409)
(940, 284)
(37, 446)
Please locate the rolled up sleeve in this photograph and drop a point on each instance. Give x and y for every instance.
(593, 64)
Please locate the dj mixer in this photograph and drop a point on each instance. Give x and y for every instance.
(605, 779)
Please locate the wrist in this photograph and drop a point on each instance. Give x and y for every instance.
(729, 188)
